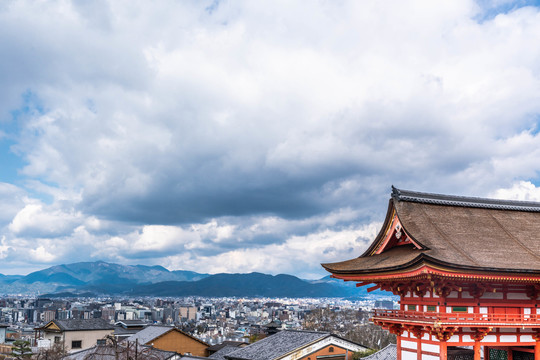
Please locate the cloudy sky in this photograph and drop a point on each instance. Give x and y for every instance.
(239, 136)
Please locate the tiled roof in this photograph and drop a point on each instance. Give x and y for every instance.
(149, 333)
(464, 233)
(220, 354)
(87, 324)
(119, 330)
(131, 323)
(108, 352)
(388, 353)
(226, 343)
(464, 201)
(277, 345)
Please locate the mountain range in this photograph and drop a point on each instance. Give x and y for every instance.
(102, 278)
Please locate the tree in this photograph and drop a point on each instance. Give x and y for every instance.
(349, 324)
(21, 350)
(113, 350)
(56, 352)
(361, 354)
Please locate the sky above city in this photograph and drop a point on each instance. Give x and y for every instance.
(240, 136)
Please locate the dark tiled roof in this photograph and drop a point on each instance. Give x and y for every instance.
(88, 324)
(464, 201)
(131, 323)
(149, 333)
(109, 352)
(388, 353)
(220, 354)
(119, 330)
(226, 343)
(277, 345)
(464, 233)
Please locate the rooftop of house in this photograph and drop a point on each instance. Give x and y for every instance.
(149, 333)
(387, 353)
(80, 325)
(109, 352)
(278, 345)
(467, 233)
(231, 343)
(225, 350)
(131, 323)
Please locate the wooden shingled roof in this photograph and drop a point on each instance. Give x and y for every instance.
(454, 232)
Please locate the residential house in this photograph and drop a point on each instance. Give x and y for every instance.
(76, 334)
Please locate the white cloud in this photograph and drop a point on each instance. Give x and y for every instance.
(35, 219)
(521, 190)
(300, 255)
(4, 248)
(190, 136)
(40, 254)
(12, 200)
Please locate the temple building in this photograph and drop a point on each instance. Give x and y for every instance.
(467, 271)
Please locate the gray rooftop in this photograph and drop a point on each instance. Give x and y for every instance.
(131, 323)
(108, 352)
(277, 345)
(464, 201)
(227, 343)
(87, 324)
(149, 333)
(226, 350)
(388, 353)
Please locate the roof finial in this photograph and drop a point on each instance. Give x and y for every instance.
(395, 192)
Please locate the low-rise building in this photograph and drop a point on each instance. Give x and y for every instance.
(76, 334)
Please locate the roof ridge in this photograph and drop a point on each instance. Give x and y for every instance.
(463, 201)
(308, 331)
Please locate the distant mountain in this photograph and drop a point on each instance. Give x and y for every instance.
(71, 277)
(8, 279)
(249, 285)
(86, 278)
(102, 272)
(351, 285)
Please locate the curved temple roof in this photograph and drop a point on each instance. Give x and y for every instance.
(454, 232)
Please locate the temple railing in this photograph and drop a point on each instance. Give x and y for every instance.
(473, 319)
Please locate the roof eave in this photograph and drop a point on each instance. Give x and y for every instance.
(424, 259)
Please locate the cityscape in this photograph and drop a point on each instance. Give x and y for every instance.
(213, 320)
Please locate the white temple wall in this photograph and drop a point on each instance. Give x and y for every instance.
(408, 355)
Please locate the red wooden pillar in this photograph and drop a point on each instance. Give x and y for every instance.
(536, 337)
(417, 332)
(444, 351)
(479, 334)
(509, 353)
(477, 349)
(398, 347)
